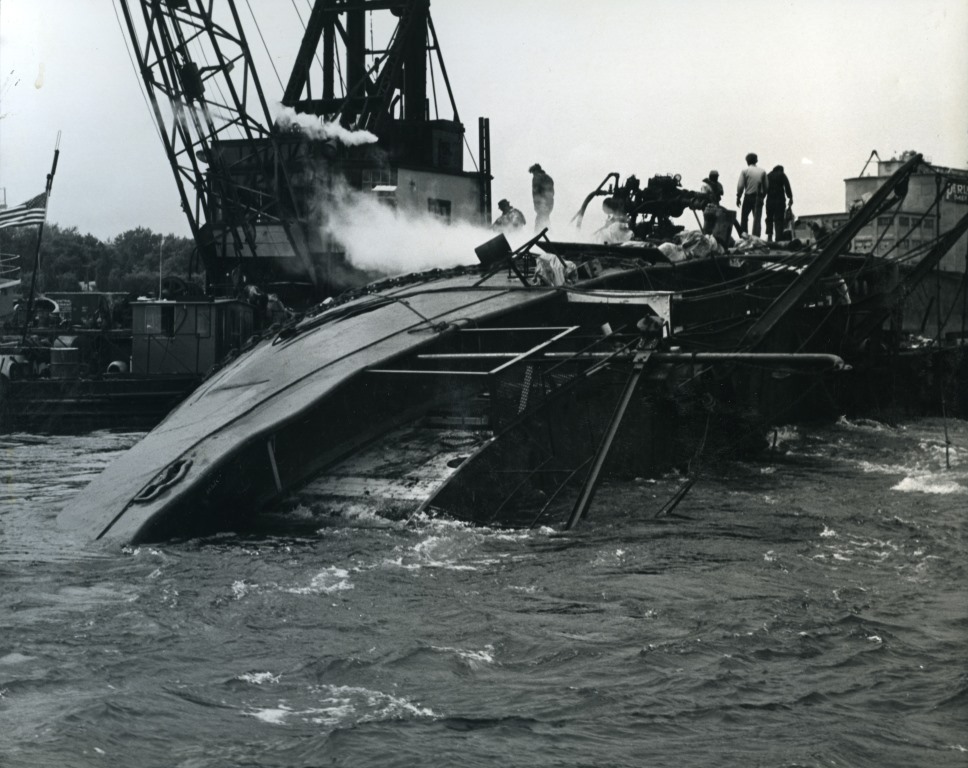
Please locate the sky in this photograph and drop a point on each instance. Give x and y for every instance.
(638, 87)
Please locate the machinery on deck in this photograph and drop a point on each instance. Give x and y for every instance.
(258, 178)
(647, 212)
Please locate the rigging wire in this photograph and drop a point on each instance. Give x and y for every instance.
(268, 55)
(339, 67)
(137, 71)
(433, 83)
(962, 285)
(470, 154)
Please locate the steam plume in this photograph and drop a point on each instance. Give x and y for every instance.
(317, 128)
(379, 237)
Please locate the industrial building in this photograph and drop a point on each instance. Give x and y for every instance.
(937, 197)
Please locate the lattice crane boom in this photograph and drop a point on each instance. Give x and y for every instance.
(205, 92)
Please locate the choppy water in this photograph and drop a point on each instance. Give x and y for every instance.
(810, 611)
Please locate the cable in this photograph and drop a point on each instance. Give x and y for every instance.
(268, 55)
(137, 72)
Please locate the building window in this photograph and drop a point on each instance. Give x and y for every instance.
(884, 221)
(439, 208)
(377, 177)
(904, 221)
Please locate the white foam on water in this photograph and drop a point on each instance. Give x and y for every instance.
(333, 715)
(272, 715)
(609, 558)
(258, 678)
(873, 468)
(473, 659)
(929, 484)
(363, 512)
(384, 705)
(455, 545)
(137, 551)
(336, 705)
(879, 547)
(502, 534)
(546, 530)
(942, 453)
(15, 658)
(864, 424)
(442, 552)
(447, 548)
(326, 582)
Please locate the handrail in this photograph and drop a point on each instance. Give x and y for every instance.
(8, 269)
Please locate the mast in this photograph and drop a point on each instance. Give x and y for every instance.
(40, 236)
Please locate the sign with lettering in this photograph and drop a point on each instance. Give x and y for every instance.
(957, 192)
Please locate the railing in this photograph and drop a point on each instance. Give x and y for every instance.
(9, 267)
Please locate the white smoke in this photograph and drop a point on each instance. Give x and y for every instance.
(316, 128)
(378, 237)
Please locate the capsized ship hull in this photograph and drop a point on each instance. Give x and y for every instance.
(278, 412)
(453, 345)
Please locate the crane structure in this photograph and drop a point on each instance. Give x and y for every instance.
(256, 175)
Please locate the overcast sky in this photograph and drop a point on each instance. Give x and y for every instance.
(584, 88)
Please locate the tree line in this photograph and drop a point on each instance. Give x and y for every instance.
(129, 263)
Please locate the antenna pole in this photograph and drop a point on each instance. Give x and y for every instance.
(40, 235)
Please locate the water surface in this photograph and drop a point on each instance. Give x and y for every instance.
(804, 609)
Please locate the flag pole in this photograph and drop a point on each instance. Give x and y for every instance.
(40, 235)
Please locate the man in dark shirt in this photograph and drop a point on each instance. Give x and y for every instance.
(778, 197)
(543, 194)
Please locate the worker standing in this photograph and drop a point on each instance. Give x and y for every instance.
(778, 197)
(751, 189)
(713, 190)
(543, 194)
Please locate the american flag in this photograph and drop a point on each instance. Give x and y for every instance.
(34, 211)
